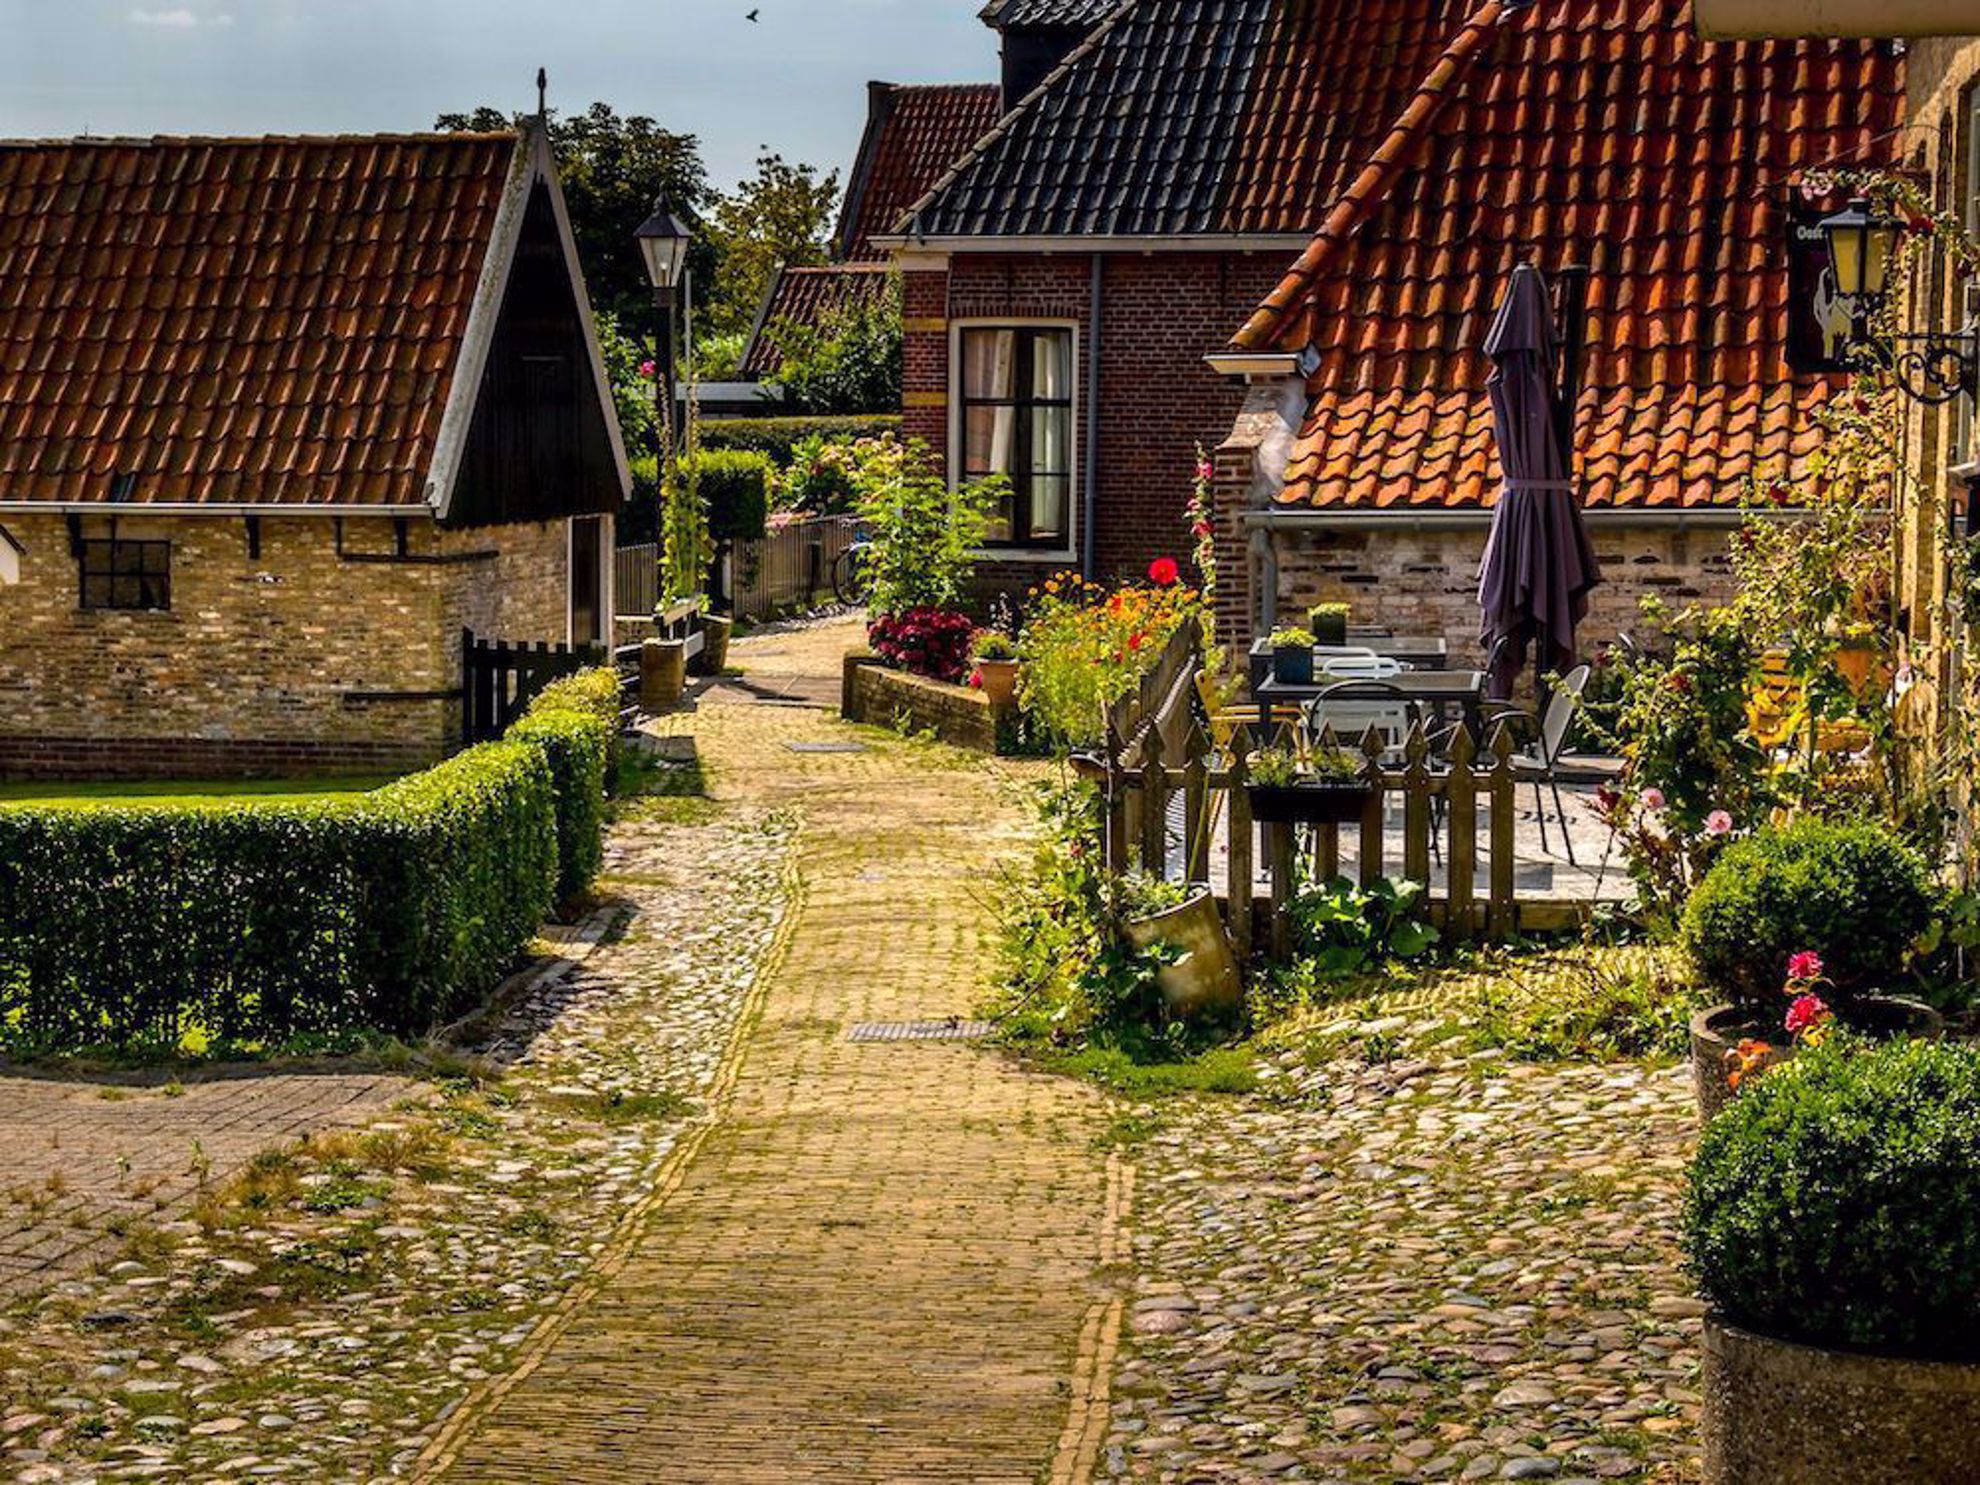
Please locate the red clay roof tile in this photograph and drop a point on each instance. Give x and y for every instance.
(237, 320)
(807, 296)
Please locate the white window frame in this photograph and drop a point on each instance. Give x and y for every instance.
(1051, 556)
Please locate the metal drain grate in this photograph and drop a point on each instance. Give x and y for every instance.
(951, 1030)
(826, 747)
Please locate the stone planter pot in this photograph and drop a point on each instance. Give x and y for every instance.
(1778, 1413)
(1293, 665)
(1717, 1030)
(1206, 977)
(999, 680)
(715, 630)
(1327, 628)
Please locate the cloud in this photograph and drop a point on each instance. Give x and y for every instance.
(179, 19)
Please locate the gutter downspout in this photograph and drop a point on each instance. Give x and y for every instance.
(1089, 501)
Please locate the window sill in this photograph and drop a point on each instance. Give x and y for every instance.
(1025, 554)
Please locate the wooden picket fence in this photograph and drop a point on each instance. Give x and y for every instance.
(1158, 748)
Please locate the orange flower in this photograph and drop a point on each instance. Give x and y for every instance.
(1748, 1059)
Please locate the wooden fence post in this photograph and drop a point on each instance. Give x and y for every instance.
(1238, 881)
(1374, 812)
(1416, 807)
(1154, 805)
(1196, 803)
(1461, 796)
(1279, 862)
(1502, 918)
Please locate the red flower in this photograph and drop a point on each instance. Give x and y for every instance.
(1807, 1011)
(1807, 965)
(1680, 683)
(1782, 491)
(1163, 572)
(1201, 528)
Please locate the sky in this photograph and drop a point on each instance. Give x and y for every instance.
(794, 81)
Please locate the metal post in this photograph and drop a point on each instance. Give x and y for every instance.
(663, 397)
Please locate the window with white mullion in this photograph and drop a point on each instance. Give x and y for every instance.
(1016, 419)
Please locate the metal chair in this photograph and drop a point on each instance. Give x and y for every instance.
(1350, 662)
(1538, 761)
(1351, 706)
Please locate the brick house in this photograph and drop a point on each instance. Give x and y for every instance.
(279, 419)
(1362, 466)
(913, 133)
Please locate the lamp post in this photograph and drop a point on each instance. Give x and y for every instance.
(1935, 367)
(663, 243)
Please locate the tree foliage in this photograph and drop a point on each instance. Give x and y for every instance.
(849, 362)
(782, 214)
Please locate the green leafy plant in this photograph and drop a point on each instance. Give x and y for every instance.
(780, 437)
(1329, 622)
(1836, 1202)
(923, 535)
(1274, 768)
(1342, 928)
(1856, 895)
(734, 485)
(1334, 765)
(1292, 639)
(686, 545)
(818, 477)
(993, 644)
(1085, 646)
(848, 362)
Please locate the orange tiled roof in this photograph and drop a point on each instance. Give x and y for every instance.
(1581, 131)
(806, 296)
(221, 321)
(914, 133)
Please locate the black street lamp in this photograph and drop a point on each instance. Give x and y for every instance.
(663, 242)
(1933, 368)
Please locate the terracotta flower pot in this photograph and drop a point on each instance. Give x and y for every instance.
(999, 680)
(1779, 1413)
(1717, 1031)
(1205, 978)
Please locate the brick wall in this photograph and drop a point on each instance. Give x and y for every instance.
(874, 694)
(1161, 313)
(254, 667)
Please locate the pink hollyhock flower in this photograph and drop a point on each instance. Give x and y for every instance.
(647, 368)
(1163, 572)
(1807, 965)
(1718, 823)
(1201, 528)
(1807, 1011)
(1653, 799)
(1205, 470)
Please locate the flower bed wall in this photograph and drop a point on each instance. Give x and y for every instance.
(250, 922)
(892, 698)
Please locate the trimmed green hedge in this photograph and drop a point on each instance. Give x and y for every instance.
(578, 748)
(776, 436)
(250, 922)
(1837, 1200)
(735, 483)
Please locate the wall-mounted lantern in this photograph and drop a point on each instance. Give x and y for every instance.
(1933, 368)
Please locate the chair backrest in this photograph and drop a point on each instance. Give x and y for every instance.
(1349, 663)
(1353, 706)
(1561, 708)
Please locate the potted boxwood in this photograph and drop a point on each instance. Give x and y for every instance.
(1817, 909)
(1328, 788)
(1831, 1225)
(1201, 973)
(996, 657)
(1292, 657)
(1329, 622)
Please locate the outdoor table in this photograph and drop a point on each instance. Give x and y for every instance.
(1437, 689)
(1416, 651)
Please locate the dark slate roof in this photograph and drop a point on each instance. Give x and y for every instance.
(914, 132)
(809, 296)
(1015, 13)
(237, 320)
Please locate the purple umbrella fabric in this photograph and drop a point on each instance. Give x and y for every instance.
(1539, 565)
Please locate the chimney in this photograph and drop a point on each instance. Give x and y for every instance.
(1037, 35)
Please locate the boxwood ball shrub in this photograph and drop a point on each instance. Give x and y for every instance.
(1856, 894)
(1836, 1202)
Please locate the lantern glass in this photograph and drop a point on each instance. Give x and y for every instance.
(1860, 248)
(663, 243)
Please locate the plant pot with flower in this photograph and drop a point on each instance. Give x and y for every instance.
(1200, 976)
(1329, 622)
(995, 655)
(1802, 929)
(1829, 1224)
(1292, 657)
(1325, 788)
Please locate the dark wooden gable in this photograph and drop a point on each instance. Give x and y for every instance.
(538, 447)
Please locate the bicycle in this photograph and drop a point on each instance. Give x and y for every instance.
(851, 582)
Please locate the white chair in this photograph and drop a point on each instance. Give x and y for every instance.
(1354, 704)
(1350, 663)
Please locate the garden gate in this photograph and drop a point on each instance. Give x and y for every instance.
(499, 680)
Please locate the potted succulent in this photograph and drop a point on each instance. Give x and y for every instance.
(1292, 657)
(1829, 1223)
(996, 656)
(1328, 787)
(1329, 622)
(1200, 973)
(1793, 927)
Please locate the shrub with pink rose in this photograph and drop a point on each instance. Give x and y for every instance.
(925, 641)
(1817, 904)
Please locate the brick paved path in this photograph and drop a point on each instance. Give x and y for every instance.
(77, 1159)
(884, 1261)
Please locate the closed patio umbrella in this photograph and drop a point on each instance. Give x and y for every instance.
(1539, 565)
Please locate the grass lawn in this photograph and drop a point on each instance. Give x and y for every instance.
(161, 792)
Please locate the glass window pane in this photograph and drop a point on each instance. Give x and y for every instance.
(989, 363)
(1048, 507)
(1003, 521)
(96, 592)
(988, 435)
(125, 556)
(1051, 364)
(1051, 440)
